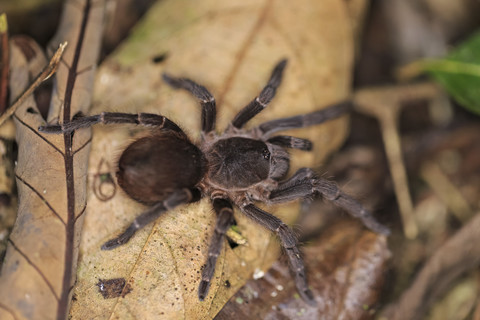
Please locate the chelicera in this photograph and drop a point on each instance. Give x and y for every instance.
(236, 168)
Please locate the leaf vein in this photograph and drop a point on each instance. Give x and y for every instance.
(86, 69)
(34, 266)
(39, 135)
(82, 146)
(45, 201)
(80, 214)
(243, 51)
(65, 63)
(8, 310)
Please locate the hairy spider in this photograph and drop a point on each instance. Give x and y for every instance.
(235, 168)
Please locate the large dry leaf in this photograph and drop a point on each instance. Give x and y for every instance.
(231, 48)
(39, 269)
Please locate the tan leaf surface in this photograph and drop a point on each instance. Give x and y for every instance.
(40, 263)
(231, 48)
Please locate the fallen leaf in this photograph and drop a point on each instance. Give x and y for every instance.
(231, 48)
(39, 268)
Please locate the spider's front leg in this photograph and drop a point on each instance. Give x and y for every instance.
(305, 183)
(145, 119)
(224, 211)
(263, 99)
(334, 111)
(209, 111)
(175, 199)
(289, 243)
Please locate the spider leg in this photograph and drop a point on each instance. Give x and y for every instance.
(305, 120)
(289, 243)
(145, 119)
(291, 142)
(263, 99)
(207, 100)
(305, 183)
(177, 198)
(224, 212)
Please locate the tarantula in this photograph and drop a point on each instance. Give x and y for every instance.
(235, 168)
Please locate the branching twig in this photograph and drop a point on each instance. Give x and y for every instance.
(385, 104)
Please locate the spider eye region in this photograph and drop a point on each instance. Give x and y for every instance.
(239, 162)
(266, 154)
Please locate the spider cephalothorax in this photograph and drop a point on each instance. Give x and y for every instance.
(236, 168)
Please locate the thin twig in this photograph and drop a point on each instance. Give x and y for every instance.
(46, 73)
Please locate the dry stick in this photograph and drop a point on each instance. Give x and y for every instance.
(385, 104)
(458, 255)
(46, 73)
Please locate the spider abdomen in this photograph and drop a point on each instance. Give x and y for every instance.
(152, 167)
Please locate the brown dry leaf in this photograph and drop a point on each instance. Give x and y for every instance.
(39, 269)
(346, 269)
(231, 48)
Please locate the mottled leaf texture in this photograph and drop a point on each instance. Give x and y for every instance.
(40, 264)
(230, 47)
(346, 268)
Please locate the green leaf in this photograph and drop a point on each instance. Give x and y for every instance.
(459, 73)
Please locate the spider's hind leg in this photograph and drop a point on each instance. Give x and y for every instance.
(175, 199)
(224, 212)
(289, 243)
